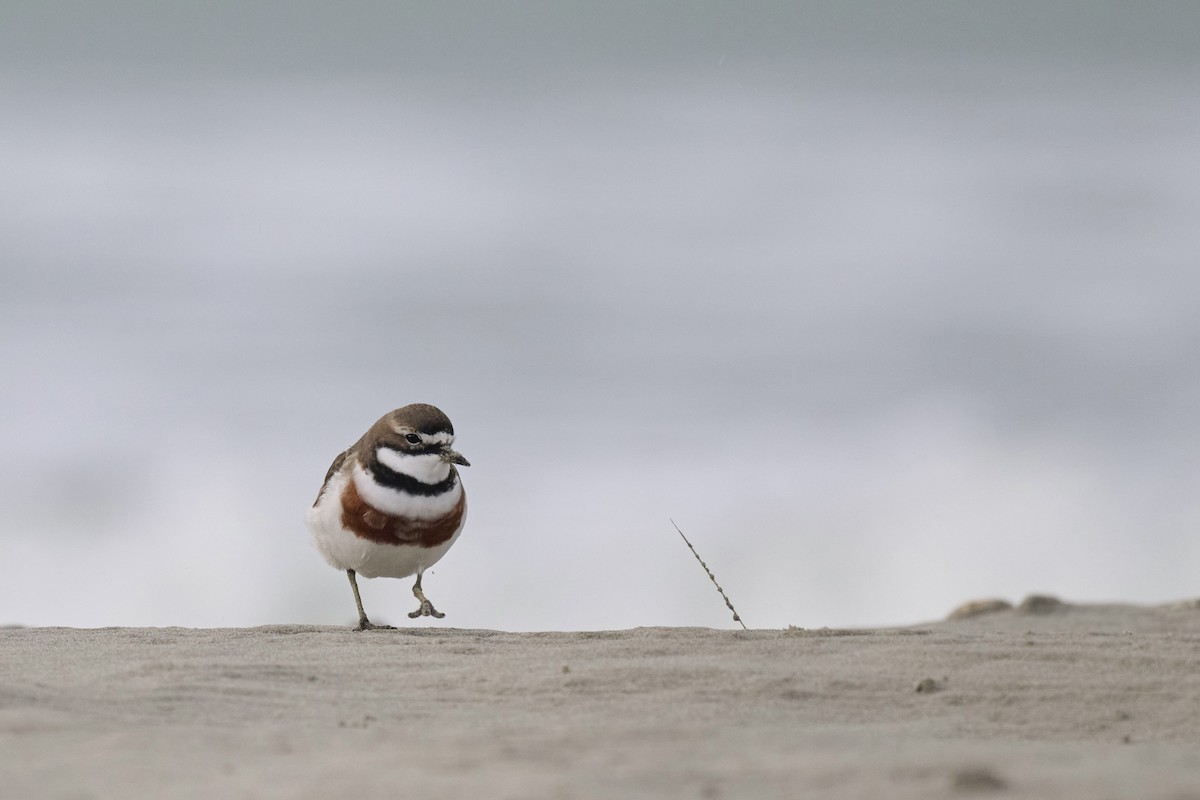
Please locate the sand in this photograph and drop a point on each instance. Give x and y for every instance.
(1071, 701)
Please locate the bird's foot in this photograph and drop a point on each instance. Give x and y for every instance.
(365, 624)
(426, 610)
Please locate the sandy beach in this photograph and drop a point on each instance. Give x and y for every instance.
(1044, 700)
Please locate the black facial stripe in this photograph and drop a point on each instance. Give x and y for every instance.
(386, 476)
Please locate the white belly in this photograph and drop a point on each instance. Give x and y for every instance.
(344, 550)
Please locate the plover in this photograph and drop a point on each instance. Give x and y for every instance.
(393, 503)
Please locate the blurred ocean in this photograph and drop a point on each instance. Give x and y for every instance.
(888, 306)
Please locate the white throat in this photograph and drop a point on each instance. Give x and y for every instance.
(402, 504)
(426, 467)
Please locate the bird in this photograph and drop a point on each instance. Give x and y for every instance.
(392, 503)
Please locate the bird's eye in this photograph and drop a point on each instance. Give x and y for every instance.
(412, 438)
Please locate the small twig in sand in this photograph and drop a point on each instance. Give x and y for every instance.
(712, 578)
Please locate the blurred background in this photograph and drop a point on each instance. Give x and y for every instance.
(889, 305)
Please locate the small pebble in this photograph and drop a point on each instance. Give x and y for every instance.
(929, 685)
(977, 779)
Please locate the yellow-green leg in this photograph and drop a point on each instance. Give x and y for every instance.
(364, 624)
(426, 609)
